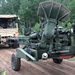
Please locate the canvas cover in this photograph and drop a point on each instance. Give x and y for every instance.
(53, 10)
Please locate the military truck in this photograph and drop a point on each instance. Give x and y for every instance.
(9, 30)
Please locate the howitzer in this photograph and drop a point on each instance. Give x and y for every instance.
(52, 41)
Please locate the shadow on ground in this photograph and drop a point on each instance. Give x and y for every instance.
(4, 47)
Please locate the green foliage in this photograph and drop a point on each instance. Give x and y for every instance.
(28, 11)
(9, 6)
(4, 73)
(72, 8)
(36, 27)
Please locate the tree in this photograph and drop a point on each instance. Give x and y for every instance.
(9, 6)
(72, 8)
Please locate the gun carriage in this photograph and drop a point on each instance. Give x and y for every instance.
(52, 41)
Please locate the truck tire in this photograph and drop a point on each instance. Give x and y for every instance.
(57, 61)
(15, 62)
(15, 45)
(10, 45)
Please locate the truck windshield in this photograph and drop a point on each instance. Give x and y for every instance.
(7, 23)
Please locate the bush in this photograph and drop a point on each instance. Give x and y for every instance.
(3, 73)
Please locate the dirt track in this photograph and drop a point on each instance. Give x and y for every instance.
(38, 68)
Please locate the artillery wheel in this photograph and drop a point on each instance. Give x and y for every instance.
(58, 61)
(15, 62)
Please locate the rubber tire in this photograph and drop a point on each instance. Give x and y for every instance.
(15, 45)
(57, 61)
(15, 62)
(10, 45)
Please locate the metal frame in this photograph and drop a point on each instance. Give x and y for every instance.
(21, 53)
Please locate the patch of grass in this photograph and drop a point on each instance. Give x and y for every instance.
(3, 73)
(72, 59)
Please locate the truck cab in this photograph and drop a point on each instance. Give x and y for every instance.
(9, 30)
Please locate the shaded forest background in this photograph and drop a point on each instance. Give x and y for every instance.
(27, 10)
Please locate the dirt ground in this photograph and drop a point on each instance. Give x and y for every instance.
(42, 67)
